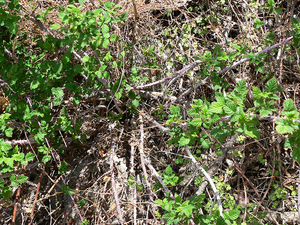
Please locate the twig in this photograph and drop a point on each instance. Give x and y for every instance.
(213, 186)
(54, 159)
(213, 169)
(132, 172)
(246, 178)
(16, 206)
(177, 74)
(142, 157)
(226, 69)
(270, 183)
(113, 184)
(36, 196)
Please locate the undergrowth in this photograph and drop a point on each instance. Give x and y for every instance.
(79, 78)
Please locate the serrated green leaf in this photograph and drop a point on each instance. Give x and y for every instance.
(135, 103)
(241, 86)
(34, 84)
(55, 26)
(296, 154)
(216, 107)
(288, 104)
(230, 109)
(174, 109)
(196, 122)
(278, 11)
(9, 162)
(9, 131)
(21, 179)
(114, 38)
(168, 170)
(4, 147)
(105, 31)
(46, 158)
(206, 143)
(256, 92)
(85, 58)
(18, 157)
(283, 129)
(109, 5)
(264, 113)
(184, 141)
(221, 221)
(29, 156)
(253, 132)
(234, 214)
(57, 91)
(271, 85)
(188, 210)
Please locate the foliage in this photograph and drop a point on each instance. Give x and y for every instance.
(50, 76)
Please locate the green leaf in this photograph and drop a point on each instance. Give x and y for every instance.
(230, 109)
(34, 84)
(221, 221)
(29, 156)
(85, 58)
(217, 50)
(288, 104)
(206, 143)
(174, 109)
(158, 202)
(9, 131)
(105, 43)
(67, 190)
(105, 31)
(296, 154)
(253, 132)
(196, 122)
(4, 147)
(188, 210)
(282, 129)
(57, 91)
(109, 5)
(55, 26)
(59, 94)
(241, 86)
(135, 103)
(258, 23)
(256, 92)
(63, 168)
(21, 179)
(278, 11)
(216, 107)
(114, 38)
(82, 1)
(184, 141)
(14, 184)
(18, 157)
(234, 214)
(39, 137)
(9, 162)
(264, 113)
(168, 170)
(271, 85)
(46, 158)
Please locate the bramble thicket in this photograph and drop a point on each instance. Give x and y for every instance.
(149, 112)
